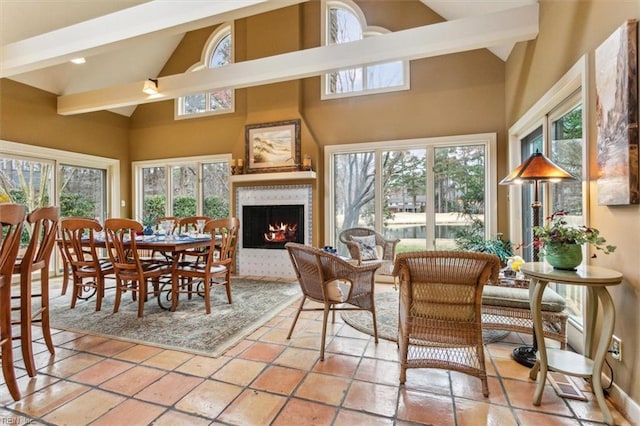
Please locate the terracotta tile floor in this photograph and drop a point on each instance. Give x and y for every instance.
(266, 379)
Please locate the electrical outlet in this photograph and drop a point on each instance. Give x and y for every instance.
(615, 350)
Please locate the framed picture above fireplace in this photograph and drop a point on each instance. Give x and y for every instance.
(273, 147)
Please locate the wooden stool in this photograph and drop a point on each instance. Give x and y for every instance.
(11, 222)
(37, 257)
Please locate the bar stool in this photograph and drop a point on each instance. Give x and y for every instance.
(44, 225)
(11, 222)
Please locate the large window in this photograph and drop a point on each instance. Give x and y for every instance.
(422, 191)
(218, 52)
(344, 22)
(83, 192)
(182, 187)
(81, 185)
(554, 126)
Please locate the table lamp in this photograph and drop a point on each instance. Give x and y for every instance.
(535, 169)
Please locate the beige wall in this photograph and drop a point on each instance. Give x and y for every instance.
(568, 30)
(29, 116)
(450, 95)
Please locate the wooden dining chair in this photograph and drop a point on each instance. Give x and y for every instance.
(36, 258)
(213, 270)
(11, 221)
(88, 268)
(188, 225)
(132, 274)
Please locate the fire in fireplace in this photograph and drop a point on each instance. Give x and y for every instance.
(271, 227)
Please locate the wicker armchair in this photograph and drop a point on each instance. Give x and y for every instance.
(335, 283)
(388, 247)
(440, 321)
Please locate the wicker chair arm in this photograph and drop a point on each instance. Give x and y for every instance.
(389, 249)
(360, 277)
(354, 250)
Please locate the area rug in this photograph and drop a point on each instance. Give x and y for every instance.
(387, 316)
(189, 328)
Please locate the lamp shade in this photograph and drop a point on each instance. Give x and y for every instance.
(537, 168)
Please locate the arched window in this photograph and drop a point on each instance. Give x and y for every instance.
(344, 22)
(218, 52)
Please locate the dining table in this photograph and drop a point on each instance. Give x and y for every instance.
(170, 247)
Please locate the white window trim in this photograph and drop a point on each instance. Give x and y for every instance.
(487, 139)
(367, 31)
(59, 157)
(205, 59)
(576, 78)
(168, 163)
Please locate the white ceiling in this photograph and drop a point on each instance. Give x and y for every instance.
(38, 37)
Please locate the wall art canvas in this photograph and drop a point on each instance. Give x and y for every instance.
(616, 69)
(273, 147)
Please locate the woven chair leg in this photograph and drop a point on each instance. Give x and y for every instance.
(295, 320)
(485, 386)
(325, 317)
(375, 325)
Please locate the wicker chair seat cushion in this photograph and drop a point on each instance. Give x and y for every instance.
(335, 291)
(367, 247)
(445, 302)
(519, 298)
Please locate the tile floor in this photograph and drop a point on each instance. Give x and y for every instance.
(269, 380)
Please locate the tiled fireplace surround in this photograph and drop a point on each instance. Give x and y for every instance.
(271, 262)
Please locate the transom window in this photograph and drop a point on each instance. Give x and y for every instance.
(218, 52)
(344, 23)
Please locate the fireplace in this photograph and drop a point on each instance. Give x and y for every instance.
(271, 227)
(281, 207)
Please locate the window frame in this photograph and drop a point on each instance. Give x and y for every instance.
(168, 164)
(556, 101)
(227, 29)
(60, 157)
(486, 139)
(367, 31)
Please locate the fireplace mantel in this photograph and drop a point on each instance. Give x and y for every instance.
(267, 177)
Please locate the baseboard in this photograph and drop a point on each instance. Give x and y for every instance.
(627, 406)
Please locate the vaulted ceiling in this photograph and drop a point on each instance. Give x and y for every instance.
(127, 41)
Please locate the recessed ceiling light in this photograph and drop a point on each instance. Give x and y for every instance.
(78, 60)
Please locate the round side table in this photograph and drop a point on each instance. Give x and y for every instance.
(596, 280)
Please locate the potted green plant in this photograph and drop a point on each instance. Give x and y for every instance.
(561, 243)
(472, 239)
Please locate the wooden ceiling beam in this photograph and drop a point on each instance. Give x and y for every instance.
(512, 25)
(151, 19)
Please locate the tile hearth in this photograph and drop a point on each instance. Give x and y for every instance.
(271, 262)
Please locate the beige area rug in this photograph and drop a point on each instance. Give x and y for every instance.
(189, 329)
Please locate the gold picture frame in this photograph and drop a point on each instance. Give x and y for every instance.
(273, 147)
